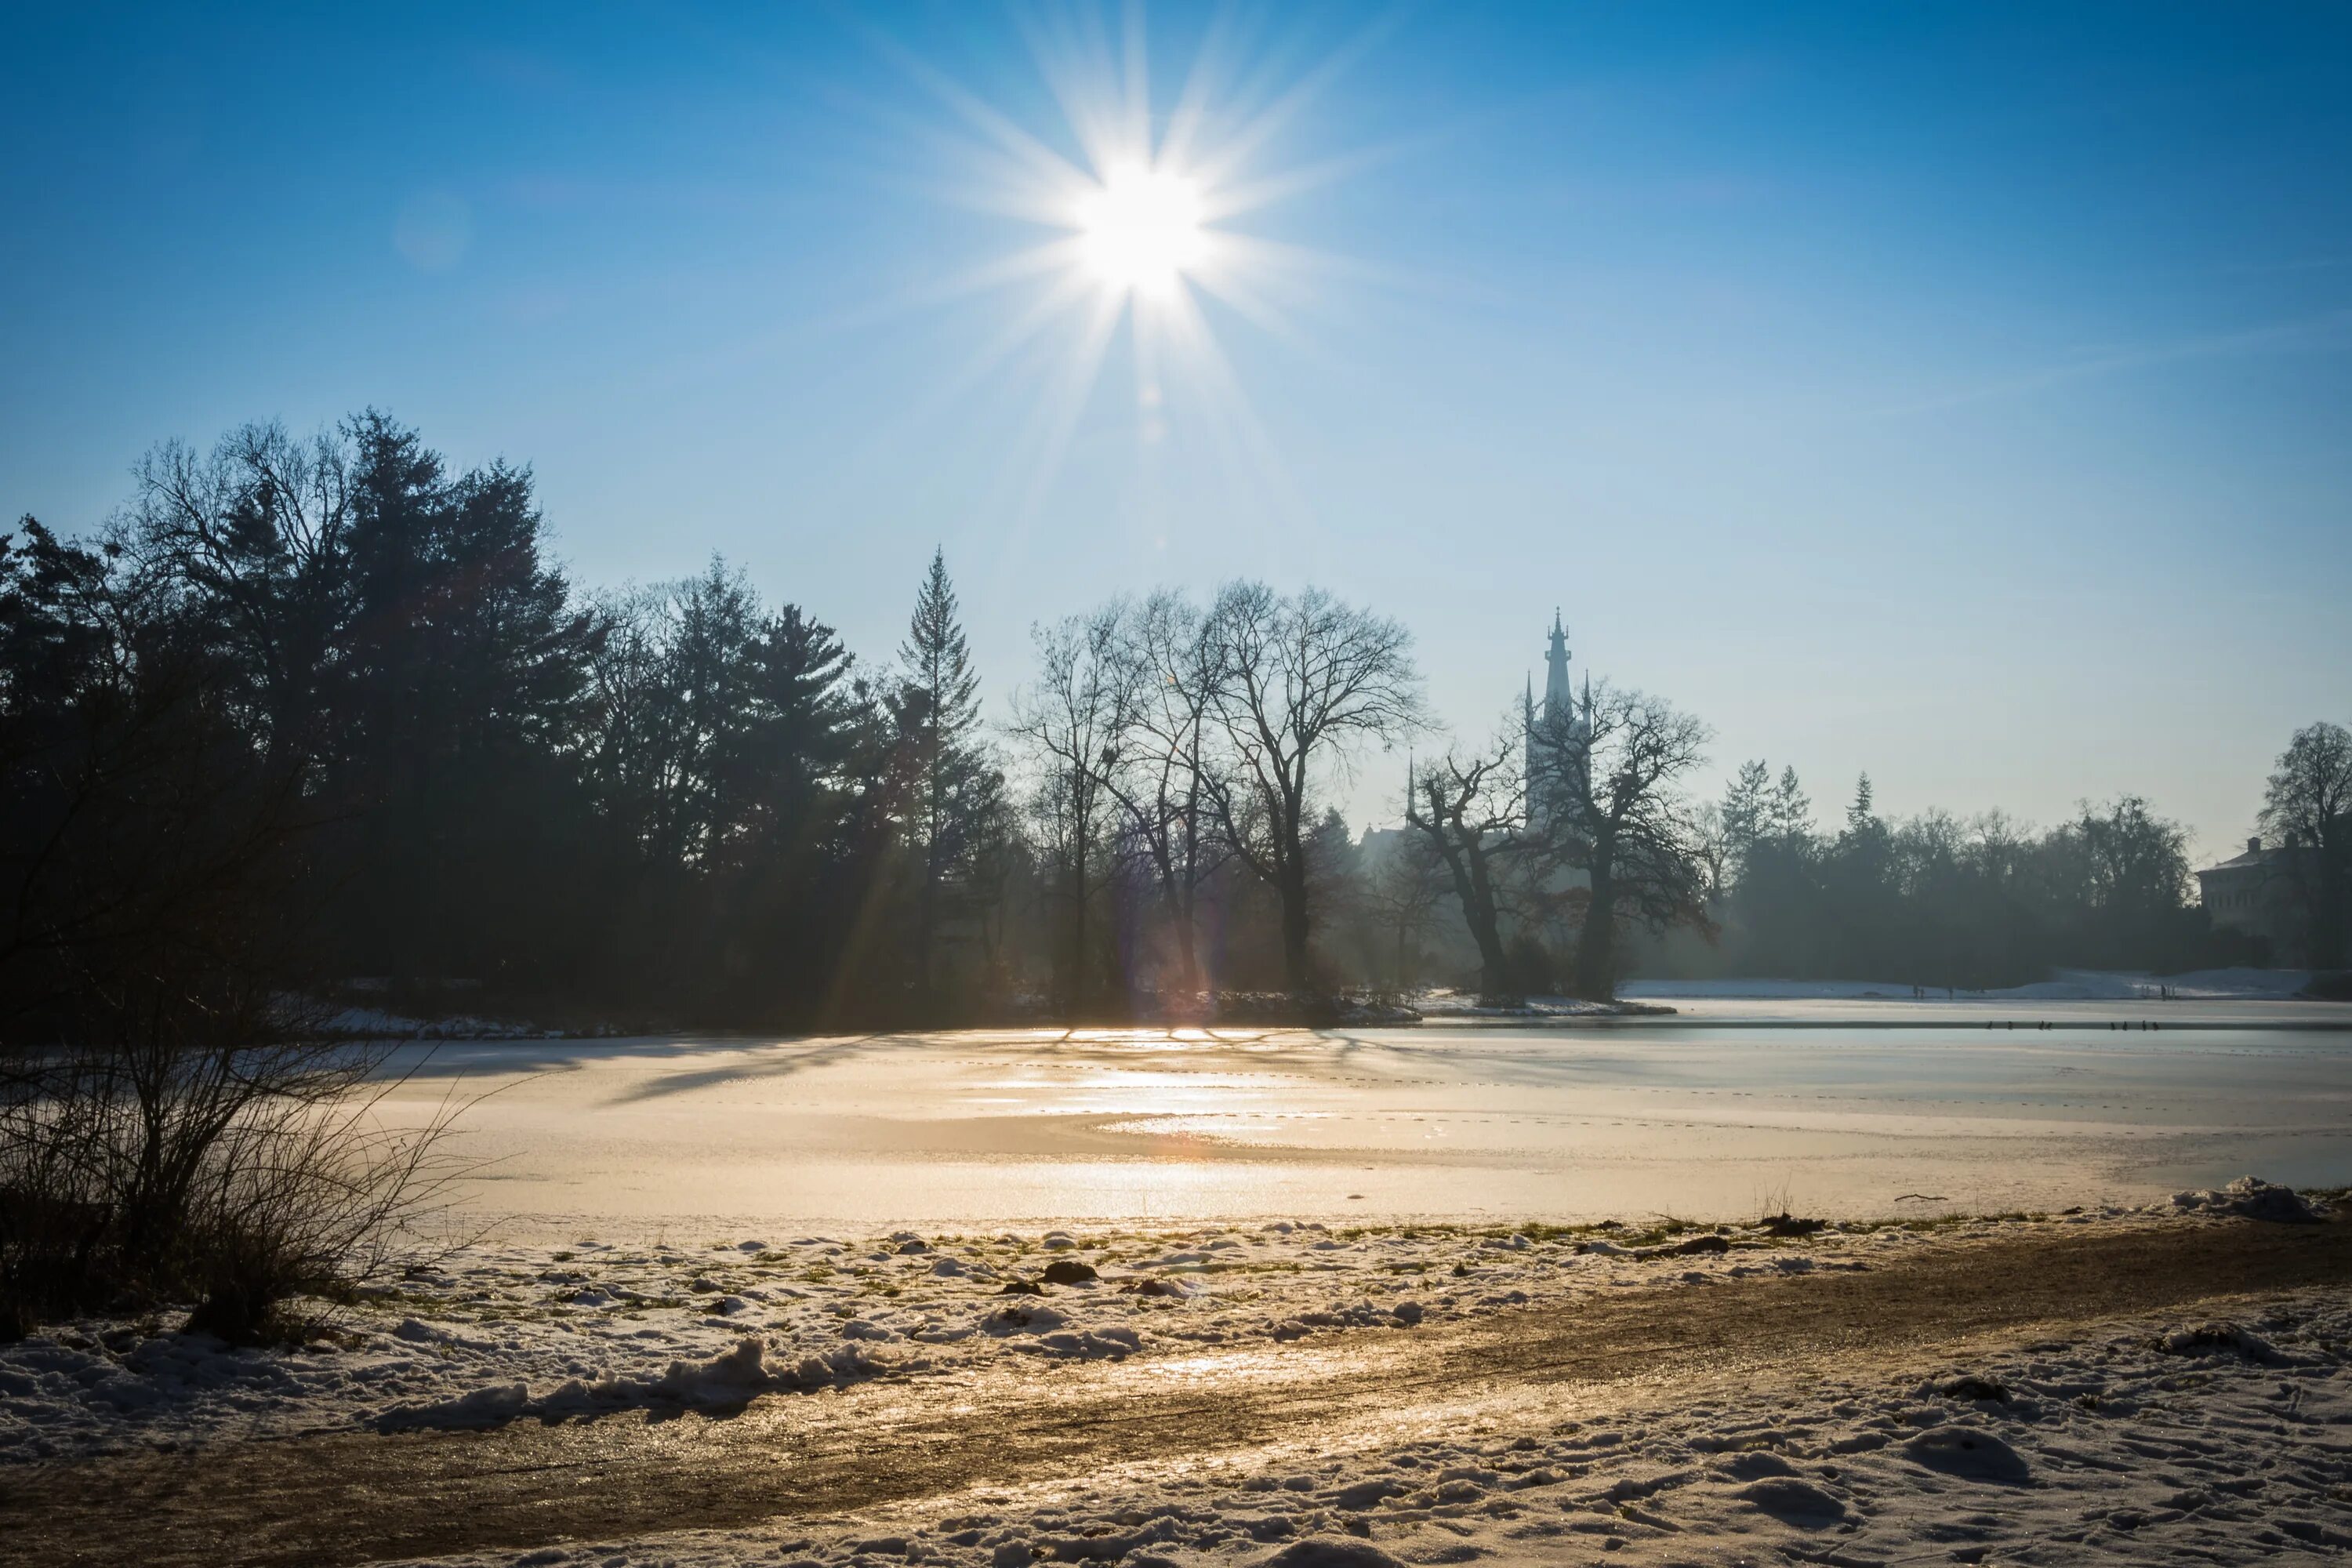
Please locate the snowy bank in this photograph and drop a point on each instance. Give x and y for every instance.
(491, 1333)
(2064, 986)
(2150, 1440)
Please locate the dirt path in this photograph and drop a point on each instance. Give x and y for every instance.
(356, 1497)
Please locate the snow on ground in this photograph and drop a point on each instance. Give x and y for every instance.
(2064, 986)
(489, 1334)
(2158, 1440)
(375, 1024)
(1449, 1004)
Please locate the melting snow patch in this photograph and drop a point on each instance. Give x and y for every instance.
(2250, 1197)
(2216, 1339)
(729, 1379)
(1798, 1503)
(1969, 1453)
(1331, 1552)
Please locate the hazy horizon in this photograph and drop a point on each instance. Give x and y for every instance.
(1959, 396)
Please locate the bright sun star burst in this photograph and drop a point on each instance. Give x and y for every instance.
(1142, 229)
(1153, 232)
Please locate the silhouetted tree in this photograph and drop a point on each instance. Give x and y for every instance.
(252, 542)
(950, 785)
(1471, 810)
(2308, 806)
(1304, 679)
(1403, 894)
(1741, 821)
(1626, 824)
(1164, 770)
(1071, 720)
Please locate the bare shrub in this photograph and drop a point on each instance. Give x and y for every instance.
(231, 1154)
(309, 1199)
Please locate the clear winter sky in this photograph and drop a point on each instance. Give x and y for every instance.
(1956, 390)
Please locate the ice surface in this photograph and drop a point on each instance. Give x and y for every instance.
(775, 1138)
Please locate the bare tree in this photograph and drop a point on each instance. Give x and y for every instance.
(1306, 679)
(1403, 895)
(1158, 773)
(1071, 720)
(1471, 809)
(256, 531)
(2309, 806)
(1626, 823)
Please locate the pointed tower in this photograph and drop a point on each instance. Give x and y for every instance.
(1558, 732)
(1559, 697)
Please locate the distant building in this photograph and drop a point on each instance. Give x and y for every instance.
(1559, 732)
(2256, 893)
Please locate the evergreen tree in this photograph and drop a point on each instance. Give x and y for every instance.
(1742, 818)
(715, 624)
(944, 768)
(1791, 813)
(1859, 818)
(455, 701)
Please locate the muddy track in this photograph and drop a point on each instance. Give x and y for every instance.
(354, 1498)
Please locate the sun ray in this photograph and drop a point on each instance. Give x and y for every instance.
(1235, 151)
(1053, 259)
(1140, 206)
(1028, 149)
(1051, 306)
(1053, 421)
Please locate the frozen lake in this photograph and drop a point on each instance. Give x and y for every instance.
(1869, 1110)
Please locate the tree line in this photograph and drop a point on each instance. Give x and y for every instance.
(323, 717)
(1936, 901)
(326, 712)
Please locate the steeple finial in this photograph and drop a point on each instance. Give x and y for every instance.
(1559, 695)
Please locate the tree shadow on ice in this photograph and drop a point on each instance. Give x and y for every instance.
(785, 1064)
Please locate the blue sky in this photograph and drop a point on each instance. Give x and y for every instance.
(1959, 391)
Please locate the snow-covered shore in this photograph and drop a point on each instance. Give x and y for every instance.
(2063, 985)
(488, 1332)
(2155, 1440)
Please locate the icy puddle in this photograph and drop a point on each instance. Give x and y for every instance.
(629, 1138)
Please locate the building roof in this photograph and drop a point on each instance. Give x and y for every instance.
(2241, 862)
(2255, 855)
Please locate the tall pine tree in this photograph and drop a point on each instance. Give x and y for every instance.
(944, 768)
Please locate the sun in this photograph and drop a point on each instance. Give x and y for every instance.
(1142, 230)
(1152, 242)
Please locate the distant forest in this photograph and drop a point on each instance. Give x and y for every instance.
(320, 716)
